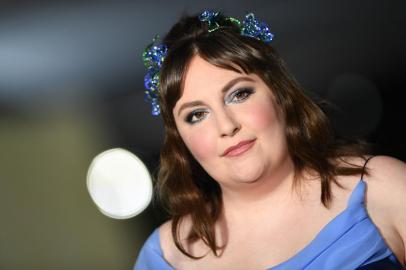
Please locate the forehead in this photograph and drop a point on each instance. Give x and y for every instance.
(202, 75)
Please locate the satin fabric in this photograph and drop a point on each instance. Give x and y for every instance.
(349, 241)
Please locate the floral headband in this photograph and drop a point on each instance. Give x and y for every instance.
(154, 54)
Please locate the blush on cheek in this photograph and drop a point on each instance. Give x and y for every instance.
(201, 147)
(262, 115)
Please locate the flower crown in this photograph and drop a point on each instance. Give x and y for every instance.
(154, 54)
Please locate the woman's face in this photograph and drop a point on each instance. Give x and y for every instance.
(229, 123)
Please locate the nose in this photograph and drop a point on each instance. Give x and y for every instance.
(227, 123)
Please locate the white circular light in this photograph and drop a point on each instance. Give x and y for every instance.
(119, 184)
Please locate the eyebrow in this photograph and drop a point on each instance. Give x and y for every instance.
(223, 90)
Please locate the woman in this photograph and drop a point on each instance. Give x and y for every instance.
(251, 174)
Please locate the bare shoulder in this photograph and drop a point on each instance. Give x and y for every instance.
(171, 253)
(386, 182)
(165, 238)
(384, 174)
(386, 200)
(165, 234)
(386, 166)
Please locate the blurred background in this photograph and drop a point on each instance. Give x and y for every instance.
(71, 86)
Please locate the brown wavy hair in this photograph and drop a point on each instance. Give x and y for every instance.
(183, 187)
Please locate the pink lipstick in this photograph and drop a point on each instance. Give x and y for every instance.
(239, 148)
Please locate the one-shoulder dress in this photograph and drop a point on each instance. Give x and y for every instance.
(349, 241)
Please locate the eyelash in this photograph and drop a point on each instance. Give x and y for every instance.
(190, 116)
(231, 99)
(246, 91)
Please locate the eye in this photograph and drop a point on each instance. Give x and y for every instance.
(196, 116)
(239, 95)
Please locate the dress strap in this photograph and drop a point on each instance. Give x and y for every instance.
(363, 168)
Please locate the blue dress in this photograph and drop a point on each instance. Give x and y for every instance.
(349, 241)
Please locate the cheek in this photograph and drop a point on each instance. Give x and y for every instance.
(261, 116)
(200, 144)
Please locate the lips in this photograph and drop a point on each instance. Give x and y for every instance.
(239, 148)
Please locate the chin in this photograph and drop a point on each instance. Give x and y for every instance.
(247, 175)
